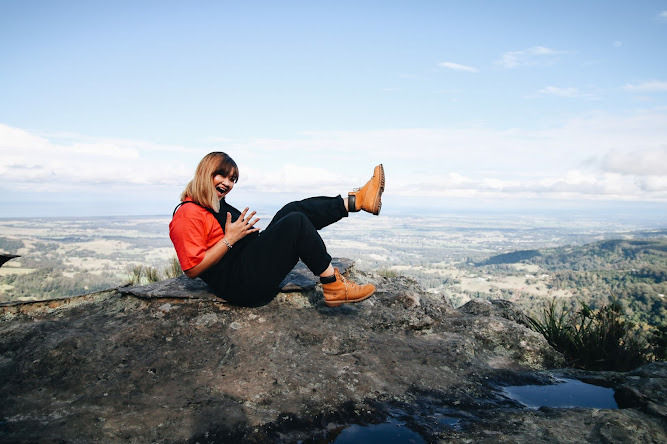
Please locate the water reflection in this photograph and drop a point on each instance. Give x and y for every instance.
(566, 393)
(390, 432)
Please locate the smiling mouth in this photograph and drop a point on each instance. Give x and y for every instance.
(220, 189)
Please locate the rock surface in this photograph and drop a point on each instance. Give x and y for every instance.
(114, 367)
(299, 279)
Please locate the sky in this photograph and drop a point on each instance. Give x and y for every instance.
(106, 107)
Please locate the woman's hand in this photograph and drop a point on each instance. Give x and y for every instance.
(235, 231)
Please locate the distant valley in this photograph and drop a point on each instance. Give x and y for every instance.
(524, 259)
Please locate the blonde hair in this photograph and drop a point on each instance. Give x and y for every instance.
(200, 189)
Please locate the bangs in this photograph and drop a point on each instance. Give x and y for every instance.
(228, 168)
(201, 188)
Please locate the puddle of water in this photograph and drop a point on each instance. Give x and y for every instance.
(566, 393)
(391, 432)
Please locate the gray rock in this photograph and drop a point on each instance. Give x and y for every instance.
(559, 426)
(182, 287)
(114, 367)
(497, 307)
(645, 388)
(302, 279)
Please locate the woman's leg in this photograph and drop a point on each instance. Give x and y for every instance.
(260, 266)
(321, 211)
(291, 235)
(253, 273)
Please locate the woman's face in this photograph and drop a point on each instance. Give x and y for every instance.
(223, 185)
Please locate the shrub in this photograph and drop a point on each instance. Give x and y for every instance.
(387, 272)
(594, 339)
(658, 341)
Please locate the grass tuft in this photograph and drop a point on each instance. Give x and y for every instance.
(387, 272)
(601, 339)
(173, 269)
(142, 274)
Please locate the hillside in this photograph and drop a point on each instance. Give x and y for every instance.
(632, 272)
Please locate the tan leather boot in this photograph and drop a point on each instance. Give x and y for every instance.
(368, 197)
(344, 292)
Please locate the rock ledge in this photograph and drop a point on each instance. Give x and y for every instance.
(120, 367)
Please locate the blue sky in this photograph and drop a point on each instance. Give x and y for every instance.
(107, 107)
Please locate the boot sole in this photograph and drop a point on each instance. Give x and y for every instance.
(377, 204)
(339, 303)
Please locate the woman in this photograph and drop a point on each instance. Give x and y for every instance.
(220, 244)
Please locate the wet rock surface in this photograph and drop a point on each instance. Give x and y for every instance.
(114, 367)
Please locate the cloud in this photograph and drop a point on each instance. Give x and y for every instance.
(18, 139)
(574, 185)
(537, 55)
(560, 92)
(571, 161)
(28, 161)
(599, 156)
(565, 92)
(104, 149)
(457, 67)
(662, 15)
(651, 86)
(653, 184)
(647, 162)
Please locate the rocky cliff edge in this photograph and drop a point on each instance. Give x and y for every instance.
(171, 363)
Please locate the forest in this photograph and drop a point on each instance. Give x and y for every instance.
(630, 272)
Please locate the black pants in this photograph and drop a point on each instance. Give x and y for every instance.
(250, 274)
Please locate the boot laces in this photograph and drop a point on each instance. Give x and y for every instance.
(345, 282)
(360, 188)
